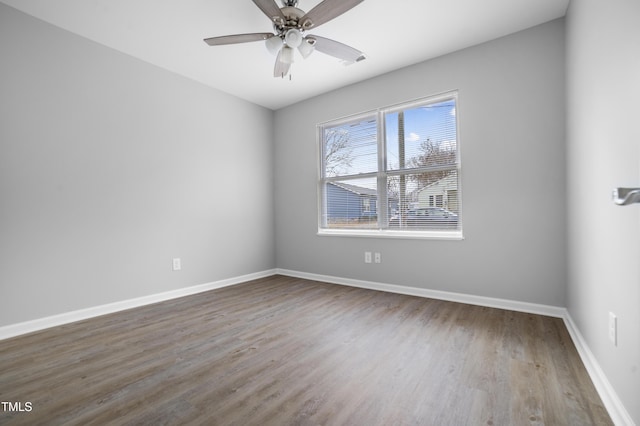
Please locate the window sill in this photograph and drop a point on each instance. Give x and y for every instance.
(387, 233)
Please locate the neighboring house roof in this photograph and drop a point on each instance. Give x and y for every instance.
(359, 190)
(450, 181)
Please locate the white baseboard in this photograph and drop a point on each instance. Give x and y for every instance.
(610, 399)
(512, 305)
(82, 314)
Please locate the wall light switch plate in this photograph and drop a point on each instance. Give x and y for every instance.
(367, 257)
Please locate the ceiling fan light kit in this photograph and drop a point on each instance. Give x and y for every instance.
(293, 38)
(290, 24)
(274, 44)
(286, 55)
(306, 48)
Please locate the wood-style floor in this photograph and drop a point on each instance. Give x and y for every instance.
(286, 351)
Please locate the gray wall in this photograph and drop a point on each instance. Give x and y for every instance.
(110, 167)
(603, 140)
(511, 115)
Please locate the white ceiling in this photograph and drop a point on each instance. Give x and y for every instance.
(393, 34)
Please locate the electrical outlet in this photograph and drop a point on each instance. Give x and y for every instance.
(377, 258)
(367, 257)
(613, 328)
(177, 264)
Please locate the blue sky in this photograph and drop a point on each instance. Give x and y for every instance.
(436, 122)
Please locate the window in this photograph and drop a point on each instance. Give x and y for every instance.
(366, 205)
(392, 172)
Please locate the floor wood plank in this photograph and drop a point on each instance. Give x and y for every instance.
(288, 351)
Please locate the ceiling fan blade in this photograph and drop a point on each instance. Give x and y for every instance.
(271, 9)
(326, 11)
(337, 49)
(237, 38)
(281, 68)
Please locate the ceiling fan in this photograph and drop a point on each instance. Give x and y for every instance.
(290, 25)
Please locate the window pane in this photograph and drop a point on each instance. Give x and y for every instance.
(421, 136)
(350, 148)
(351, 204)
(424, 201)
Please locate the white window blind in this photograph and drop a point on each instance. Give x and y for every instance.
(394, 171)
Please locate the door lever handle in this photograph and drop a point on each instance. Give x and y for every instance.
(625, 196)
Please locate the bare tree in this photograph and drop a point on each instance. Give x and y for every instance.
(337, 152)
(433, 155)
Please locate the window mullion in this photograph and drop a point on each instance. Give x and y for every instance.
(425, 169)
(348, 177)
(383, 202)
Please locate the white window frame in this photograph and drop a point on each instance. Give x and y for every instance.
(382, 174)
